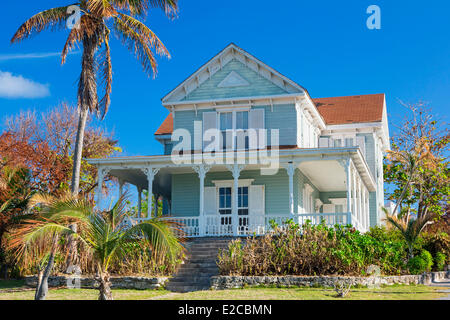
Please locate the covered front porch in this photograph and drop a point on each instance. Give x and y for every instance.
(329, 185)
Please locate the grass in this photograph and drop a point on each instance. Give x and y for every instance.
(15, 290)
(396, 292)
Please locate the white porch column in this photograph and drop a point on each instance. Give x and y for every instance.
(236, 171)
(291, 171)
(121, 183)
(360, 211)
(202, 170)
(151, 173)
(139, 190)
(364, 206)
(349, 188)
(354, 211)
(100, 178)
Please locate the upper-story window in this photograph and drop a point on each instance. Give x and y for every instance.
(337, 142)
(349, 142)
(226, 129)
(234, 130)
(242, 139)
(239, 129)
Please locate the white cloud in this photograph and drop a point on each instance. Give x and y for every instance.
(16, 86)
(37, 55)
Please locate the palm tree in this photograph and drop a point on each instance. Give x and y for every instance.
(105, 234)
(410, 229)
(15, 192)
(92, 31)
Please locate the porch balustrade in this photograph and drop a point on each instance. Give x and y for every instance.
(218, 226)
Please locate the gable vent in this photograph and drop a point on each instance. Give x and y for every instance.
(233, 80)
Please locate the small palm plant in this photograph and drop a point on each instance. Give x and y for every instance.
(105, 234)
(409, 228)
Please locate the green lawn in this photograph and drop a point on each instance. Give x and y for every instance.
(14, 290)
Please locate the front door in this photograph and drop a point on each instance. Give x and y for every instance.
(243, 210)
(225, 210)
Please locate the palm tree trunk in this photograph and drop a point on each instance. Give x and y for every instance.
(42, 287)
(105, 287)
(72, 257)
(87, 101)
(78, 152)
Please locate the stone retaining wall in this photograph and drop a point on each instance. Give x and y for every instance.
(229, 282)
(140, 283)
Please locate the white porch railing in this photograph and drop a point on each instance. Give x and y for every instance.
(219, 226)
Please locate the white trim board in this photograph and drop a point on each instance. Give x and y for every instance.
(215, 64)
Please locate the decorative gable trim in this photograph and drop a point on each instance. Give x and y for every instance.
(218, 62)
(233, 79)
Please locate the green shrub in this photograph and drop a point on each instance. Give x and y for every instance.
(421, 263)
(440, 260)
(416, 265)
(437, 242)
(314, 250)
(425, 255)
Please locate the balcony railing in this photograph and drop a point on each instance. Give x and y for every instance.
(223, 226)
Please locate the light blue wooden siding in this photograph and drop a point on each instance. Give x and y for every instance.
(168, 148)
(185, 195)
(371, 162)
(185, 120)
(185, 190)
(373, 209)
(258, 85)
(283, 118)
(370, 151)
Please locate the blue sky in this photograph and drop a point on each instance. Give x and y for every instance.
(324, 46)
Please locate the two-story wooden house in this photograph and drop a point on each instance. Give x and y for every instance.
(244, 145)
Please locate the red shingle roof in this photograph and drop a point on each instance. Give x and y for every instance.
(166, 127)
(336, 110)
(351, 109)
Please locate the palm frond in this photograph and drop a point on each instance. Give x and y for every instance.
(140, 40)
(105, 66)
(51, 18)
(159, 235)
(140, 7)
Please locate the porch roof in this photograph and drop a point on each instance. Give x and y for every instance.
(308, 160)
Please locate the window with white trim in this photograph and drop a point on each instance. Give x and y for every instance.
(234, 126)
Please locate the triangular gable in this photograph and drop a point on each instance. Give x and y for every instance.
(231, 54)
(234, 80)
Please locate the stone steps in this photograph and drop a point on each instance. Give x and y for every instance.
(200, 265)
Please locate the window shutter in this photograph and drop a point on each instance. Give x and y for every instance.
(361, 142)
(210, 201)
(256, 122)
(324, 142)
(349, 142)
(240, 139)
(209, 122)
(256, 204)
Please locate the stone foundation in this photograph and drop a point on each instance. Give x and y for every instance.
(230, 282)
(140, 283)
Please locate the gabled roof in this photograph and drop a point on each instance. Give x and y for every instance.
(335, 110)
(215, 64)
(166, 127)
(351, 109)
